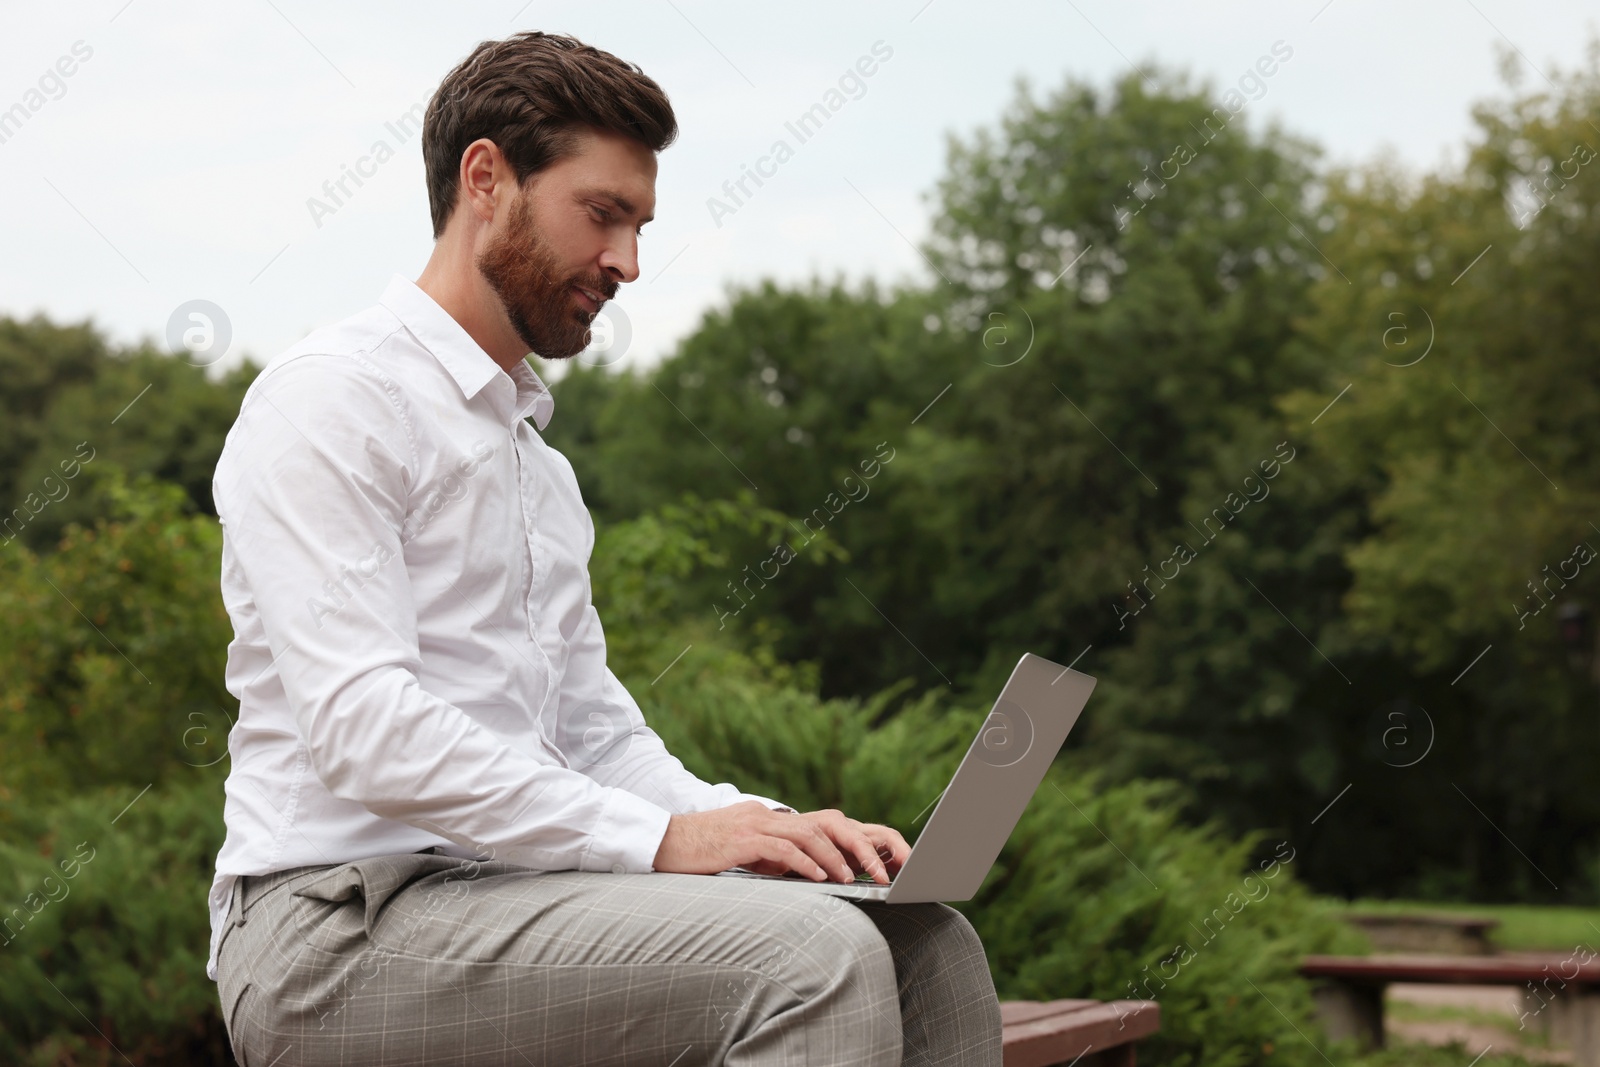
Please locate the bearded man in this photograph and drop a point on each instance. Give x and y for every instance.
(451, 836)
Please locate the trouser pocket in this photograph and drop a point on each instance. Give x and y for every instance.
(363, 888)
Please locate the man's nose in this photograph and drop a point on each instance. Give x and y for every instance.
(620, 261)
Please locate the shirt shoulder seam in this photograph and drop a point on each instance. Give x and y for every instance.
(391, 390)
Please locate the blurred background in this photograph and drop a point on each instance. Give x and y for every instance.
(1242, 357)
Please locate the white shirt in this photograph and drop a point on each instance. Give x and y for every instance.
(415, 654)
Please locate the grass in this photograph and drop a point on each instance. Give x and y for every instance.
(1454, 1055)
(1523, 927)
(1405, 1010)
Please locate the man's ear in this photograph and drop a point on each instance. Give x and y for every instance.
(484, 170)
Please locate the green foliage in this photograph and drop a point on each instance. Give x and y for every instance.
(694, 559)
(1498, 422)
(1452, 1055)
(74, 406)
(1090, 415)
(1092, 895)
(1097, 887)
(37, 360)
(1003, 462)
(1464, 458)
(111, 648)
(1008, 519)
(105, 952)
(1523, 927)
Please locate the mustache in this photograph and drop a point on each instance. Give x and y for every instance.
(606, 287)
(528, 256)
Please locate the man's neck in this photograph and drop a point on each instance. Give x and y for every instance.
(456, 285)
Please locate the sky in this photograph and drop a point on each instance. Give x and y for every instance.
(184, 156)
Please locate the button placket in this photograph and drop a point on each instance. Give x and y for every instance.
(530, 528)
(536, 574)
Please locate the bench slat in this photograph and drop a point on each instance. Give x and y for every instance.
(1463, 970)
(1022, 1011)
(1064, 1036)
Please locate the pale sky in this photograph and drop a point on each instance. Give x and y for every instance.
(176, 161)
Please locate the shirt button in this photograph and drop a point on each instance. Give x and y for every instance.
(617, 868)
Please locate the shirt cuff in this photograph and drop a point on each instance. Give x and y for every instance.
(628, 835)
(775, 805)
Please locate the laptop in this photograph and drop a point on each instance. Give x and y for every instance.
(980, 807)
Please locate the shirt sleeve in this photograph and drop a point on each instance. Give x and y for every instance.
(607, 738)
(312, 488)
(601, 731)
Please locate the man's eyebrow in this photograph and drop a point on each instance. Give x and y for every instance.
(624, 203)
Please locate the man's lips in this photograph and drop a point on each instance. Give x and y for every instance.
(590, 299)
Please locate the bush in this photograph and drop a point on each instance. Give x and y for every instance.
(1100, 892)
(112, 647)
(106, 928)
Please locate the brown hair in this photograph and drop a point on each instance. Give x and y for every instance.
(528, 94)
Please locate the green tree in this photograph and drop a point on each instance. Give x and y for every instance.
(112, 648)
(1007, 520)
(1468, 441)
(77, 407)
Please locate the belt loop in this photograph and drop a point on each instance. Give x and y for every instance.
(238, 898)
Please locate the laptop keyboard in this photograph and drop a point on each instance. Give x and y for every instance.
(861, 878)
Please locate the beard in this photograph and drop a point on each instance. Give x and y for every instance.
(522, 269)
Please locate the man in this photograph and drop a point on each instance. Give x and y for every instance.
(451, 836)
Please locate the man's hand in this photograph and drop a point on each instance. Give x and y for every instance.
(819, 845)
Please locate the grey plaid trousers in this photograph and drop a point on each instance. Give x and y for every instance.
(423, 959)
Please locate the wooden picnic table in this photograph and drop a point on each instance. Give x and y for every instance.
(1560, 991)
(1426, 931)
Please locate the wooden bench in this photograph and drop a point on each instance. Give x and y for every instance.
(1560, 995)
(1084, 1033)
(1465, 935)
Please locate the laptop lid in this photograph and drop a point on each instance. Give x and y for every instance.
(991, 788)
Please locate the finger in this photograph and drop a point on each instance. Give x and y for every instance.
(766, 867)
(861, 847)
(791, 857)
(809, 834)
(862, 853)
(887, 840)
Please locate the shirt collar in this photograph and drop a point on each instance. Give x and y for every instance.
(467, 362)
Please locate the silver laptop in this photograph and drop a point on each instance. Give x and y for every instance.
(980, 807)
